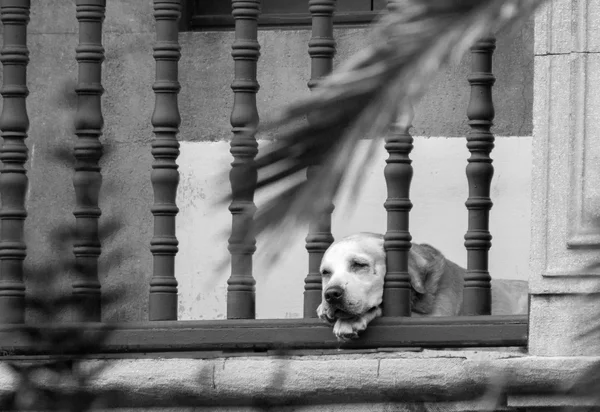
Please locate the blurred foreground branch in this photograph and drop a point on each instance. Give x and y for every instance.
(361, 99)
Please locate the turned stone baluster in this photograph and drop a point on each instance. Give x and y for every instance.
(14, 124)
(87, 178)
(243, 175)
(398, 174)
(165, 149)
(321, 49)
(480, 142)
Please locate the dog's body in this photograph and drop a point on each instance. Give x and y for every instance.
(353, 271)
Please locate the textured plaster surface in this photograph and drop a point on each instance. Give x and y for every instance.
(564, 325)
(283, 70)
(565, 26)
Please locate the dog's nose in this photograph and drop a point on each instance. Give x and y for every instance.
(334, 294)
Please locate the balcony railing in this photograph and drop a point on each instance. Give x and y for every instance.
(162, 332)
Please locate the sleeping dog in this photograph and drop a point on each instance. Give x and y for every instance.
(353, 271)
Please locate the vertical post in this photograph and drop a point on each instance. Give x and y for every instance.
(87, 178)
(398, 174)
(243, 175)
(480, 142)
(165, 149)
(321, 49)
(14, 124)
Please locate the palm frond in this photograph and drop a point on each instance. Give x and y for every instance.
(363, 97)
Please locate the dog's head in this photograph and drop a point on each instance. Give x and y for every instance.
(353, 271)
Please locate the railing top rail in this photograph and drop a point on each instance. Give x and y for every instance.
(266, 334)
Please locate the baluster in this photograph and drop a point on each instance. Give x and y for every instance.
(321, 49)
(165, 149)
(87, 178)
(243, 175)
(398, 174)
(480, 142)
(14, 124)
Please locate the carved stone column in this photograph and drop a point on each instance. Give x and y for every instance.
(565, 260)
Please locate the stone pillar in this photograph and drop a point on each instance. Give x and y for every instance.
(565, 242)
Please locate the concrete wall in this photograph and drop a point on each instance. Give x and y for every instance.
(205, 104)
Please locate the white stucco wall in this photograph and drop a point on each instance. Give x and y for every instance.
(438, 191)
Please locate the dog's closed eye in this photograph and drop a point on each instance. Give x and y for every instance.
(325, 272)
(358, 264)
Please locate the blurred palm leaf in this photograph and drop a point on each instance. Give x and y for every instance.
(363, 97)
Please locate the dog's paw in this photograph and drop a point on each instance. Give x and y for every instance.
(322, 314)
(376, 312)
(348, 329)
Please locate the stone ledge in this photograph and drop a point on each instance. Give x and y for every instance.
(347, 407)
(429, 376)
(554, 401)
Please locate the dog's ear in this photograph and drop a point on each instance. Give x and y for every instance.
(426, 266)
(417, 270)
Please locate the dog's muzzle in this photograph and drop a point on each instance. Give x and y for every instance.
(334, 295)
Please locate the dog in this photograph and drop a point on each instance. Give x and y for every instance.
(353, 271)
